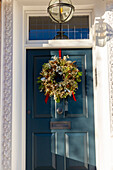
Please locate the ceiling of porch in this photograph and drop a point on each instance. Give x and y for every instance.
(46, 2)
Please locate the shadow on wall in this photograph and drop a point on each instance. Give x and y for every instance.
(104, 32)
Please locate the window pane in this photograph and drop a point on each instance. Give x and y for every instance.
(43, 28)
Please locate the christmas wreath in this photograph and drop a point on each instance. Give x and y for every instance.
(59, 78)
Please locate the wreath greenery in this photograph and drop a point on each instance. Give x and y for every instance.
(59, 78)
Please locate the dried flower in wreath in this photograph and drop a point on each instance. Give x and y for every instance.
(59, 78)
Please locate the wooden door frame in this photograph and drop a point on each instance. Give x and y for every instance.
(96, 53)
(22, 124)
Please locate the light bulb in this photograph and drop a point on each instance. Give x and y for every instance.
(61, 10)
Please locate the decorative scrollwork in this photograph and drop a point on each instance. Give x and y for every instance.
(7, 85)
(109, 16)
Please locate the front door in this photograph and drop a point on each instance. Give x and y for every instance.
(53, 141)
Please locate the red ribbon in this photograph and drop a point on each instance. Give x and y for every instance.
(74, 96)
(60, 54)
(47, 97)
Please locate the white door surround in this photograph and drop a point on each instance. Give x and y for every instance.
(13, 83)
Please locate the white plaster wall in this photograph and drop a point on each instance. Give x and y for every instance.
(104, 141)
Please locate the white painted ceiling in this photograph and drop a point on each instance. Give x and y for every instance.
(78, 4)
(46, 2)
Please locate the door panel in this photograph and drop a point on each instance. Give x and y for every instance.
(60, 149)
(76, 143)
(81, 98)
(41, 109)
(43, 157)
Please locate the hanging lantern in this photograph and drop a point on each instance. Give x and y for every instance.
(60, 11)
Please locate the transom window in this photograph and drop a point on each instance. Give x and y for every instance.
(43, 28)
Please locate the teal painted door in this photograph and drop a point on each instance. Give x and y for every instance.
(60, 149)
